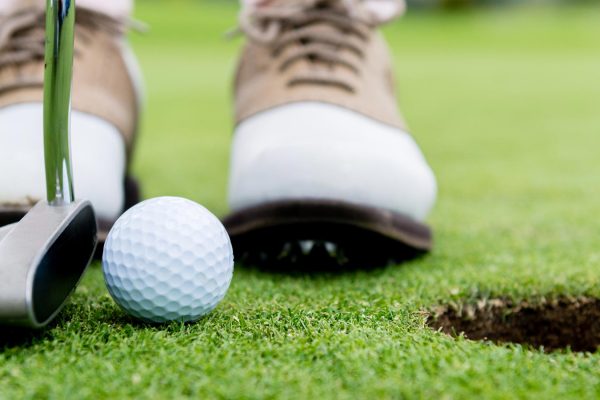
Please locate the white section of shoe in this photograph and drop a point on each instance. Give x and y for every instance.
(321, 151)
(98, 154)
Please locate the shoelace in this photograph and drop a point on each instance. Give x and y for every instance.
(297, 24)
(22, 37)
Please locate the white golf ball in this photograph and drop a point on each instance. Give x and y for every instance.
(168, 259)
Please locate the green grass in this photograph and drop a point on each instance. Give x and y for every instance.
(505, 105)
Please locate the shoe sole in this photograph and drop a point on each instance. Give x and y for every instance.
(326, 234)
(10, 214)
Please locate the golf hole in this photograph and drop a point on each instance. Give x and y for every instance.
(550, 325)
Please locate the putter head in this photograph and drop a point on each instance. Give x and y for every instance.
(42, 259)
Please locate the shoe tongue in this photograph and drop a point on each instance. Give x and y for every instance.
(374, 11)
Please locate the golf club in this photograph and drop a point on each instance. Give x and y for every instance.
(43, 257)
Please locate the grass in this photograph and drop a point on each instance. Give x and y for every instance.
(505, 105)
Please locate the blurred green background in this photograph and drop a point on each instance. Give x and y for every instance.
(484, 91)
(463, 4)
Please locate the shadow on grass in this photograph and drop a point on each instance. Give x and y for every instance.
(314, 258)
(22, 338)
(120, 318)
(11, 337)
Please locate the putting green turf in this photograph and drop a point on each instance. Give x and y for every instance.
(504, 104)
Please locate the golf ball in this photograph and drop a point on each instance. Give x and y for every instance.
(168, 259)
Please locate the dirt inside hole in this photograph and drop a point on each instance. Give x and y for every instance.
(555, 324)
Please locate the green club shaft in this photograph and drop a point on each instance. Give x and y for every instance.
(60, 29)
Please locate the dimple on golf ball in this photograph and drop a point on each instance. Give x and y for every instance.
(168, 259)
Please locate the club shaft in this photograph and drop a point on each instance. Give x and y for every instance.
(60, 35)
